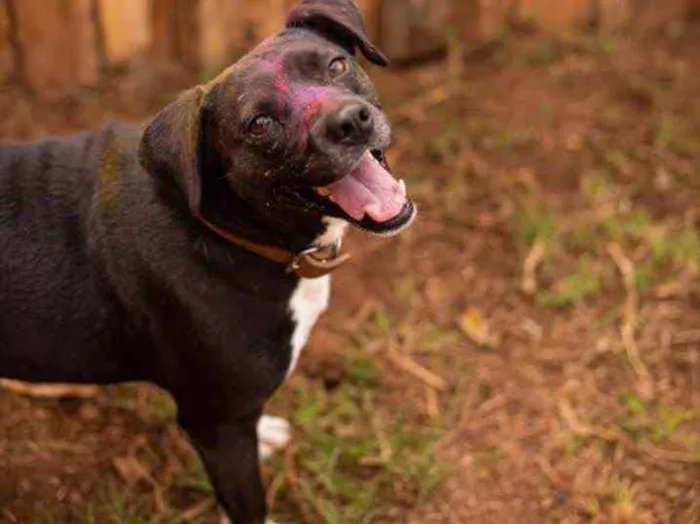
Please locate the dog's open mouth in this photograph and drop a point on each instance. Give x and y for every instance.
(369, 197)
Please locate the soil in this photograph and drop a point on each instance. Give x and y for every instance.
(545, 417)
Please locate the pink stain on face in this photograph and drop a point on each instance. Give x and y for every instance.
(309, 102)
(303, 103)
(280, 78)
(310, 99)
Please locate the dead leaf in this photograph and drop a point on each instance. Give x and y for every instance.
(194, 512)
(131, 470)
(475, 327)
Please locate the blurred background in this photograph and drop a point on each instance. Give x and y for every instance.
(529, 352)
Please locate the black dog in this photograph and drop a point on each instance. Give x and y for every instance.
(194, 254)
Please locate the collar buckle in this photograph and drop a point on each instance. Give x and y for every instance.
(307, 265)
(295, 264)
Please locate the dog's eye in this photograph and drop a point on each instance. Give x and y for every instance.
(337, 67)
(260, 125)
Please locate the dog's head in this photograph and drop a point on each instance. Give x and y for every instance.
(291, 134)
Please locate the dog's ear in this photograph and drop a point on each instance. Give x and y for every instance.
(340, 21)
(170, 146)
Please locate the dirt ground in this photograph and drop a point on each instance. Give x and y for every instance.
(529, 352)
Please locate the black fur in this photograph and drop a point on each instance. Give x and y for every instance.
(109, 273)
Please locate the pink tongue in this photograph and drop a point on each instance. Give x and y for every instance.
(369, 190)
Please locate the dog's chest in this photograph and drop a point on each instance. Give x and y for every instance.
(309, 300)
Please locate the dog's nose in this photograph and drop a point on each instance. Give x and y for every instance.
(352, 124)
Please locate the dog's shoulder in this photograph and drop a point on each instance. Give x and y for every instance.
(77, 151)
(115, 144)
(113, 152)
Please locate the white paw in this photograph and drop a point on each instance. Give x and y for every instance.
(274, 434)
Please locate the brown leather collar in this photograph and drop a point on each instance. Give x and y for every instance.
(308, 264)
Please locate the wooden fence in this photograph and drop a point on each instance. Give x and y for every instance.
(54, 43)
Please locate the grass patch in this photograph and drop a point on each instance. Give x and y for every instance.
(583, 284)
(672, 134)
(658, 423)
(668, 422)
(576, 265)
(359, 458)
(535, 223)
(680, 248)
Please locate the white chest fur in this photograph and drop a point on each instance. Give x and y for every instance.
(308, 301)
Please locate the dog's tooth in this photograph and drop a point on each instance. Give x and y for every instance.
(402, 187)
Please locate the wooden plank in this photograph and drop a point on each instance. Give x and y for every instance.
(176, 32)
(208, 34)
(7, 59)
(126, 28)
(163, 45)
(58, 42)
(494, 16)
(693, 10)
(557, 16)
(659, 14)
(464, 21)
(221, 38)
(412, 29)
(263, 18)
(479, 20)
(229, 28)
(614, 15)
(371, 12)
(189, 32)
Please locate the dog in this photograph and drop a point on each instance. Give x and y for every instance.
(195, 252)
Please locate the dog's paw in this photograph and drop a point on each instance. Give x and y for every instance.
(274, 434)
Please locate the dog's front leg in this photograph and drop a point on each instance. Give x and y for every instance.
(229, 450)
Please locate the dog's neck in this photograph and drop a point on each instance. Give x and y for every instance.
(236, 217)
(321, 259)
(333, 236)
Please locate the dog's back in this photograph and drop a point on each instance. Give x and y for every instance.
(54, 301)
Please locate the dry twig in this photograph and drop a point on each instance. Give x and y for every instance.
(273, 491)
(530, 266)
(629, 327)
(432, 403)
(414, 368)
(197, 510)
(615, 436)
(49, 390)
(386, 451)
